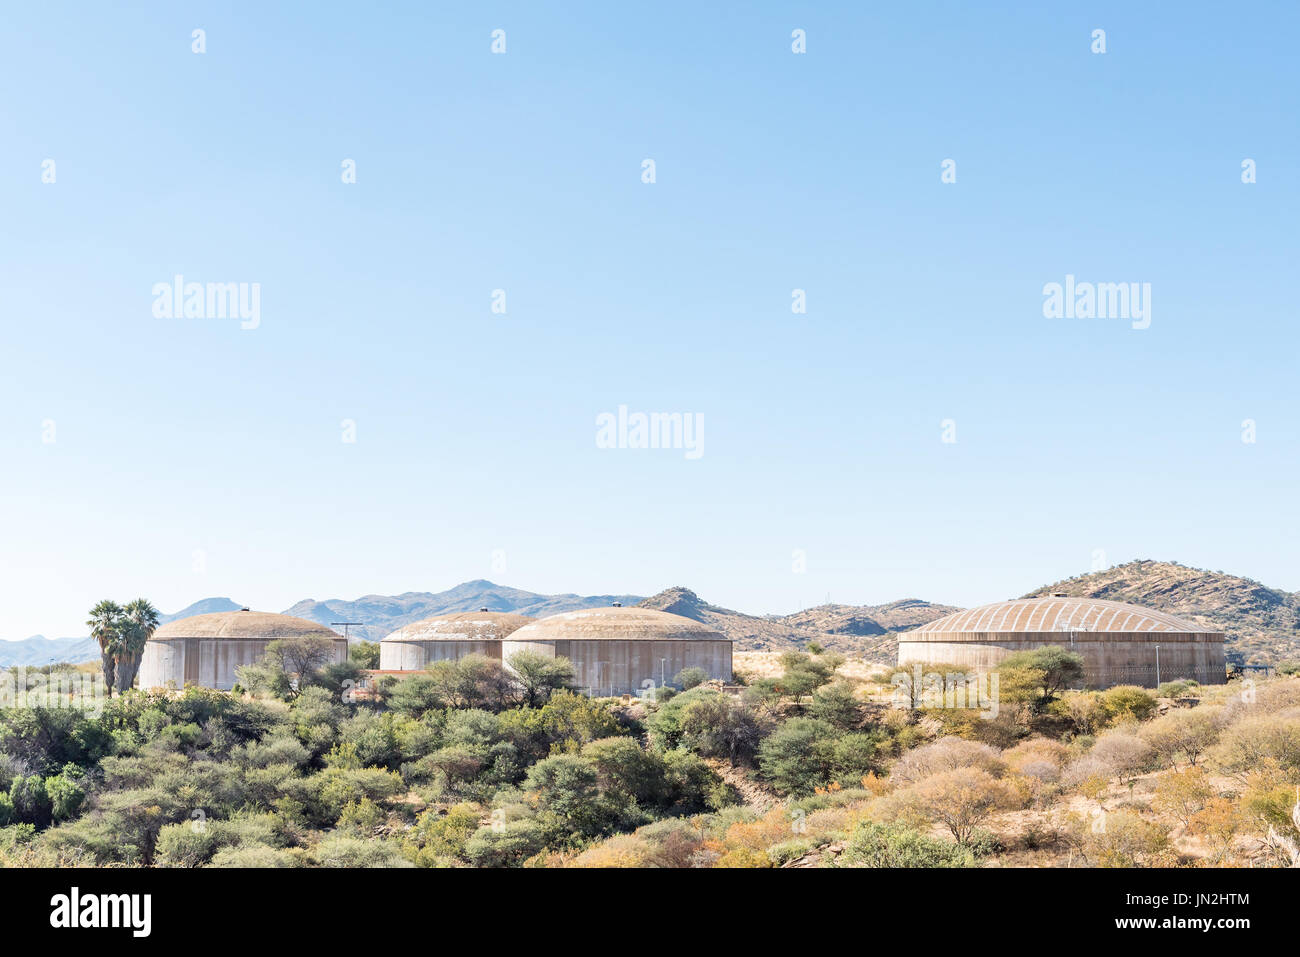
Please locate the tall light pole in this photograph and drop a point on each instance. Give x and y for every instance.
(1157, 665)
(346, 625)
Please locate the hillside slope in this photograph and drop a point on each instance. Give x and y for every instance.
(1261, 625)
(866, 630)
(381, 614)
(206, 606)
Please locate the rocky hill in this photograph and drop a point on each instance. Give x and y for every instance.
(381, 614)
(868, 630)
(1261, 625)
(869, 619)
(205, 607)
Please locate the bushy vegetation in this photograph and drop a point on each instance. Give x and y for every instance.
(474, 764)
(468, 763)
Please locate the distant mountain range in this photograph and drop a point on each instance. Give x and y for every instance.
(862, 629)
(1262, 624)
(205, 607)
(36, 651)
(381, 614)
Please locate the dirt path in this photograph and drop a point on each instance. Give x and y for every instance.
(756, 797)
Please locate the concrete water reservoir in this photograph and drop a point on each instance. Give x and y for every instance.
(1121, 644)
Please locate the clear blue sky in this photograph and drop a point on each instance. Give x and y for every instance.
(775, 171)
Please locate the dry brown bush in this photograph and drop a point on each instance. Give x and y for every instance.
(946, 754)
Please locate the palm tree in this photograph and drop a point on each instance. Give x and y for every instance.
(141, 621)
(106, 628)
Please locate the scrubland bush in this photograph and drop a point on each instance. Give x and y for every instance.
(1182, 795)
(1182, 734)
(509, 845)
(439, 836)
(894, 845)
(804, 754)
(342, 850)
(708, 723)
(1119, 839)
(252, 856)
(688, 678)
(1127, 703)
(960, 799)
(946, 754)
(1178, 689)
(1116, 755)
(1256, 742)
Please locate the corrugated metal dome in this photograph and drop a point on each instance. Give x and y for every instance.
(617, 624)
(242, 624)
(462, 626)
(1059, 613)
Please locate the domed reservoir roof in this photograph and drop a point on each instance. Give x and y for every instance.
(243, 624)
(462, 626)
(617, 624)
(1059, 613)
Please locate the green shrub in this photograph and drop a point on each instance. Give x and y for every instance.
(804, 674)
(788, 851)
(1060, 668)
(254, 855)
(324, 795)
(507, 845)
(15, 835)
(895, 845)
(1127, 703)
(31, 802)
(806, 753)
(1177, 689)
(361, 817)
(708, 723)
(837, 705)
(440, 836)
(341, 850)
(984, 843)
(65, 793)
(688, 678)
(365, 654)
(691, 786)
(186, 845)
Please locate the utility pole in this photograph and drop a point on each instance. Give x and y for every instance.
(346, 625)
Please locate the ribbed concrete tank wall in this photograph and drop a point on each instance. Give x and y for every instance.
(448, 637)
(1121, 644)
(619, 650)
(205, 650)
